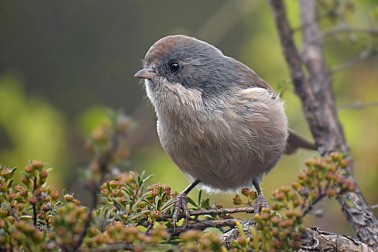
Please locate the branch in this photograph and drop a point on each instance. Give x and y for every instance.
(374, 206)
(337, 30)
(364, 55)
(217, 211)
(358, 105)
(313, 239)
(203, 224)
(34, 203)
(318, 104)
(120, 246)
(347, 29)
(319, 240)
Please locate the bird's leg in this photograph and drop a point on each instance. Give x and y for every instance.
(182, 203)
(260, 202)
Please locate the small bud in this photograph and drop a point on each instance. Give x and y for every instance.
(344, 163)
(246, 191)
(295, 185)
(276, 207)
(309, 162)
(6, 172)
(47, 207)
(309, 172)
(331, 192)
(190, 235)
(3, 213)
(37, 164)
(351, 186)
(286, 223)
(4, 187)
(29, 169)
(318, 163)
(282, 235)
(275, 220)
(25, 180)
(10, 219)
(264, 216)
(289, 213)
(155, 214)
(242, 241)
(302, 176)
(142, 204)
(298, 213)
(296, 202)
(54, 195)
(253, 195)
(279, 196)
(237, 200)
(113, 184)
(335, 156)
(274, 231)
(167, 189)
(37, 236)
(33, 200)
(285, 189)
(218, 206)
(43, 173)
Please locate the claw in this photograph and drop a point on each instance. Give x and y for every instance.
(260, 203)
(180, 205)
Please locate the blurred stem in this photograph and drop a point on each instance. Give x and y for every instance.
(102, 163)
(358, 105)
(34, 203)
(364, 55)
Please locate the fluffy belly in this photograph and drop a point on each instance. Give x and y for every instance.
(226, 147)
(226, 163)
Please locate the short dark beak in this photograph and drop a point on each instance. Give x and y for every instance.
(145, 74)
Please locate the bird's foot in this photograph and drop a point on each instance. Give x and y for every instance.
(260, 203)
(180, 205)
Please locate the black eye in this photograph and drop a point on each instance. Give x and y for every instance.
(174, 67)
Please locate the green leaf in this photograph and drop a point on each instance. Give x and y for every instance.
(167, 204)
(255, 239)
(26, 217)
(205, 203)
(137, 215)
(157, 202)
(119, 204)
(240, 229)
(147, 178)
(192, 202)
(126, 194)
(108, 186)
(199, 197)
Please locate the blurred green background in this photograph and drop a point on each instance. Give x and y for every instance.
(63, 63)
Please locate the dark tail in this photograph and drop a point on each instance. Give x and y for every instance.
(295, 141)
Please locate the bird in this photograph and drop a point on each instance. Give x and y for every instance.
(218, 121)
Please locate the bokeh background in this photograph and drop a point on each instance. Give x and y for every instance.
(64, 63)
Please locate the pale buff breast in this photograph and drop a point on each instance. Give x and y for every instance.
(210, 141)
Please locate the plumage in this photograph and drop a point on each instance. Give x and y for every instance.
(217, 119)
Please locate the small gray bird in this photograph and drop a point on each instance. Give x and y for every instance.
(219, 122)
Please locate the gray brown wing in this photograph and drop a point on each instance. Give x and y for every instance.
(249, 77)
